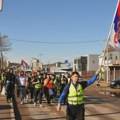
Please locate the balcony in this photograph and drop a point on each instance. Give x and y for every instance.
(112, 62)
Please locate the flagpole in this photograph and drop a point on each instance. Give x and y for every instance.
(106, 46)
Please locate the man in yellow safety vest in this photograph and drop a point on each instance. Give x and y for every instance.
(74, 92)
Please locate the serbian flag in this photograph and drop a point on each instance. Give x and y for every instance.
(24, 63)
(114, 36)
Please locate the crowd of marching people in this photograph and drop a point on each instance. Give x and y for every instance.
(33, 87)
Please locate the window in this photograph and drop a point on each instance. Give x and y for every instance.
(111, 57)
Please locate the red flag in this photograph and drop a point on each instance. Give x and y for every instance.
(24, 63)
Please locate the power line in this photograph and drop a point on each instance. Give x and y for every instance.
(53, 42)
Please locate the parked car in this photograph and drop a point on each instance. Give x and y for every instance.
(115, 83)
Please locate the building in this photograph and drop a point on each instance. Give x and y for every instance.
(36, 65)
(112, 60)
(86, 65)
(58, 67)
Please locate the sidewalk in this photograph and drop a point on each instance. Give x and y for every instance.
(6, 109)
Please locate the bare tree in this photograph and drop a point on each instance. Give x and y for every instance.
(5, 44)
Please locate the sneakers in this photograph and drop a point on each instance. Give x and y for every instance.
(53, 100)
(21, 102)
(9, 100)
(41, 105)
(34, 103)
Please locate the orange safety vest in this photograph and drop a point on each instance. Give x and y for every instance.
(49, 84)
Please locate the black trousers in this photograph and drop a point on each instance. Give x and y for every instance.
(9, 90)
(46, 91)
(31, 92)
(38, 95)
(75, 112)
(2, 86)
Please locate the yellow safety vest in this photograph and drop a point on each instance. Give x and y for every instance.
(55, 83)
(38, 85)
(75, 96)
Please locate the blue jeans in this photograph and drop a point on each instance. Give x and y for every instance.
(22, 93)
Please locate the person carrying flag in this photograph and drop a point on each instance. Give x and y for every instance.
(74, 92)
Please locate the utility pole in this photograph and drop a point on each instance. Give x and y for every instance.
(1, 55)
(1, 62)
(40, 60)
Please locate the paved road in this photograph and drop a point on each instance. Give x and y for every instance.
(100, 104)
(97, 108)
(102, 108)
(48, 112)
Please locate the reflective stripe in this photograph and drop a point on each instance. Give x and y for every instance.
(76, 102)
(75, 99)
(75, 96)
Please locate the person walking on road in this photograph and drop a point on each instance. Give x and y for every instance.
(22, 82)
(10, 85)
(48, 88)
(74, 92)
(38, 89)
(30, 87)
(62, 86)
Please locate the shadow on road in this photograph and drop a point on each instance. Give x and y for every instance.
(16, 110)
(100, 114)
(7, 118)
(55, 118)
(97, 100)
(3, 107)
